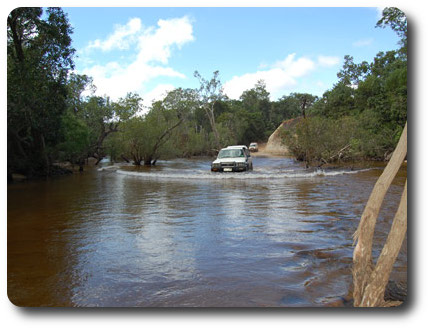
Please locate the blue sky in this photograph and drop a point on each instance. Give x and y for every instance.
(153, 50)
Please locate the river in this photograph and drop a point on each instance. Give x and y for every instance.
(178, 235)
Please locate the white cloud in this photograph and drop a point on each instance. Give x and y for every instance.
(282, 75)
(116, 81)
(121, 38)
(328, 61)
(297, 68)
(150, 46)
(157, 94)
(275, 80)
(363, 42)
(156, 44)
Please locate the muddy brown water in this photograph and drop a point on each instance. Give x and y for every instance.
(178, 235)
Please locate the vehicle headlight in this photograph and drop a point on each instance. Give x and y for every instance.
(241, 164)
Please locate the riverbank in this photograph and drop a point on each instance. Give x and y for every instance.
(56, 169)
(263, 151)
(66, 168)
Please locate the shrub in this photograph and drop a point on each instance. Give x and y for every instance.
(319, 140)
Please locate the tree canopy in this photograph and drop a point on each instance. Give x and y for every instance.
(370, 97)
(53, 114)
(39, 59)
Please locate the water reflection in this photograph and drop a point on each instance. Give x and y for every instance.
(177, 236)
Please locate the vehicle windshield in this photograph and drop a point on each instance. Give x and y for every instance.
(231, 153)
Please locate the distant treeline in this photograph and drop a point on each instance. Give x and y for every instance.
(53, 114)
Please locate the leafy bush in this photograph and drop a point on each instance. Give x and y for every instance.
(322, 140)
(74, 148)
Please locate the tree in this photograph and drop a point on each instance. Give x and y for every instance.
(104, 117)
(396, 20)
(133, 138)
(165, 117)
(351, 73)
(305, 101)
(147, 138)
(39, 57)
(370, 280)
(76, 86)
(257, 102)
(210, 92)
(254, 99)
(286, 107)
(76, 133)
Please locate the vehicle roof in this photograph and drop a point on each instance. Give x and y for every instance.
(236, 147)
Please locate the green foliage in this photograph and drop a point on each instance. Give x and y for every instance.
(305, 101)
(374, 95)
(39, 57)
(319, 140)
(376, 138)
(149, 138)
(76, 135)
(104, 117)
(209, 94)
(351, 73)
(396, 20)
(336, 103)
(189, 141)
(257, 112)
(286, 107)
(133, 139)
(49, 118)
(53, 113)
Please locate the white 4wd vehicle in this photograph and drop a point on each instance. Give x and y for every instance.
(233, 159)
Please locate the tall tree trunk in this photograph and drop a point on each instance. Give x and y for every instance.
(45, 155)
(304, 101)
(211, 117)
(370, 281)
(81, 165)
(163, 138)
(17, 42)
(104, 133)
(374, 292)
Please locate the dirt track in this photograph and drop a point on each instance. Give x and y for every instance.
(262, 152)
